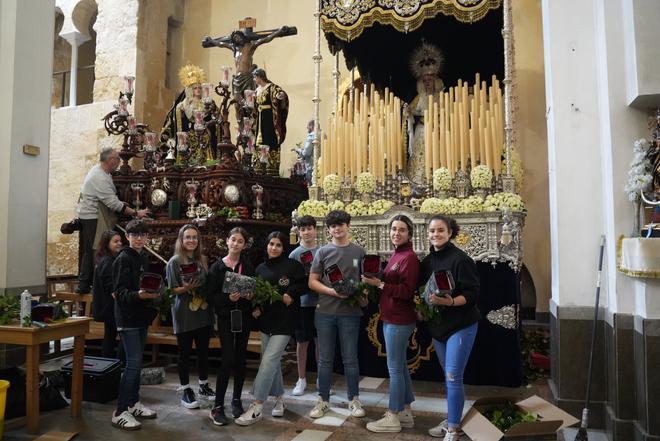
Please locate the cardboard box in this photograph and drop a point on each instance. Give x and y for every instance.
(551, 418)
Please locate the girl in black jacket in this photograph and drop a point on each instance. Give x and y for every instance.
(103, 303)
(455, 329)
(233, 343)
(277, 322)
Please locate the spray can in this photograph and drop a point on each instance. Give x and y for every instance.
(26, 308)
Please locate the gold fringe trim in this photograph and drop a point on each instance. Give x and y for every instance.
(631, 273)
(348, 22)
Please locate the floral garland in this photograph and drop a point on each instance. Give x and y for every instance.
(357, 208)
(481, 177)
(441, 206)
(335, 205)
(442, 179)
(639, 176)
(502, 201)
(380, 206)
(331, 184)
(312, 208)
(366, 183)
(472, 204)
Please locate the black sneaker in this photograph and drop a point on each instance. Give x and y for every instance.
(206, 391)
(218, 417)
(188, 400)
(236, 408)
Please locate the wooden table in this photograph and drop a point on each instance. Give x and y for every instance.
(31, 338)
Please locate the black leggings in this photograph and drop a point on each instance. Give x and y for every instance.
(234, 350)
(185, 342)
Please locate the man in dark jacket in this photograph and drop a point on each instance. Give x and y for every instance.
(133, 313)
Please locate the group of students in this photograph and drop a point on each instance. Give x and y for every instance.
(310, 309)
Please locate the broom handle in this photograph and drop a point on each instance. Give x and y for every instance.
(155, 254)
(593, 332)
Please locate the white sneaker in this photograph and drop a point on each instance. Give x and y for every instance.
(452, 436)
(442, 429)
(125, 421)
(321, 408)
(356, 408)
(406, 419)
(278, 408)
(251, 416)
(299, 389)
(389, 423)
(139, 410)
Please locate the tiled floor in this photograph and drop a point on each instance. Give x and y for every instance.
(177, 423)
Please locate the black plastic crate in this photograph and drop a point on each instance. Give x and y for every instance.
(101, 378)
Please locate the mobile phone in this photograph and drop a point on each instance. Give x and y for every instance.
(236, 320)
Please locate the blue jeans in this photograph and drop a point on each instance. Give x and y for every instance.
(348, 328)
(269, 377)
(129, 388)
(396, 344)
(453, 356)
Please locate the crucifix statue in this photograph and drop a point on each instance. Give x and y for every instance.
(243, 43)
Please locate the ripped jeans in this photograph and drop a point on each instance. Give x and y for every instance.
(453, 356)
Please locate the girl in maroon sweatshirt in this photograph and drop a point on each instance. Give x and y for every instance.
(397, 310)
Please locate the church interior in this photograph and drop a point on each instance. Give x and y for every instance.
(535, 124)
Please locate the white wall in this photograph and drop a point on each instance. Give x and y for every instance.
(591, 130)
(26, 51)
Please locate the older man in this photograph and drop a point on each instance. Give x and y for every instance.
(97, 210)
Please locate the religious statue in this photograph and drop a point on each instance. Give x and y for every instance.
(425, 64)
(243, 43)
(272, 107)
(191, 114)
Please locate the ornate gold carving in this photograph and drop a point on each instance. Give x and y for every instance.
(462, 239)
(347, 19)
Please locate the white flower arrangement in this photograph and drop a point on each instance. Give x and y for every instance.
(365, 183)
(380, 206)
(501, 201)
(516, 168)
(472, 204)
(481, 177)
(442, 179)
(313, 208)
(441, 206)
(331, 184)
(639, 176)
(335, 205)
(357, 208)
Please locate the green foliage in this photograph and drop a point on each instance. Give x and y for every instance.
(265, 292)
(10, 309)
(361, 290)
(507, 414)
(534, 340)
(211, 162)
(164, 303)
(227, 212)
(275, 217)
(423, 309)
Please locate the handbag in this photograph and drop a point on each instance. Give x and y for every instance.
(69, 227)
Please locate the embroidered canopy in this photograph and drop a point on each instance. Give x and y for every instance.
(347, 19)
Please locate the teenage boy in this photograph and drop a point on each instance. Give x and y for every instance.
(334, 316)
(306, 331)
(133, 314)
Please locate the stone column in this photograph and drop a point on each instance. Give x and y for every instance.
(75, 39)
(26, 32)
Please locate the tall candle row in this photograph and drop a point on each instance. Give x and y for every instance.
(462, 128)
(365, 134)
